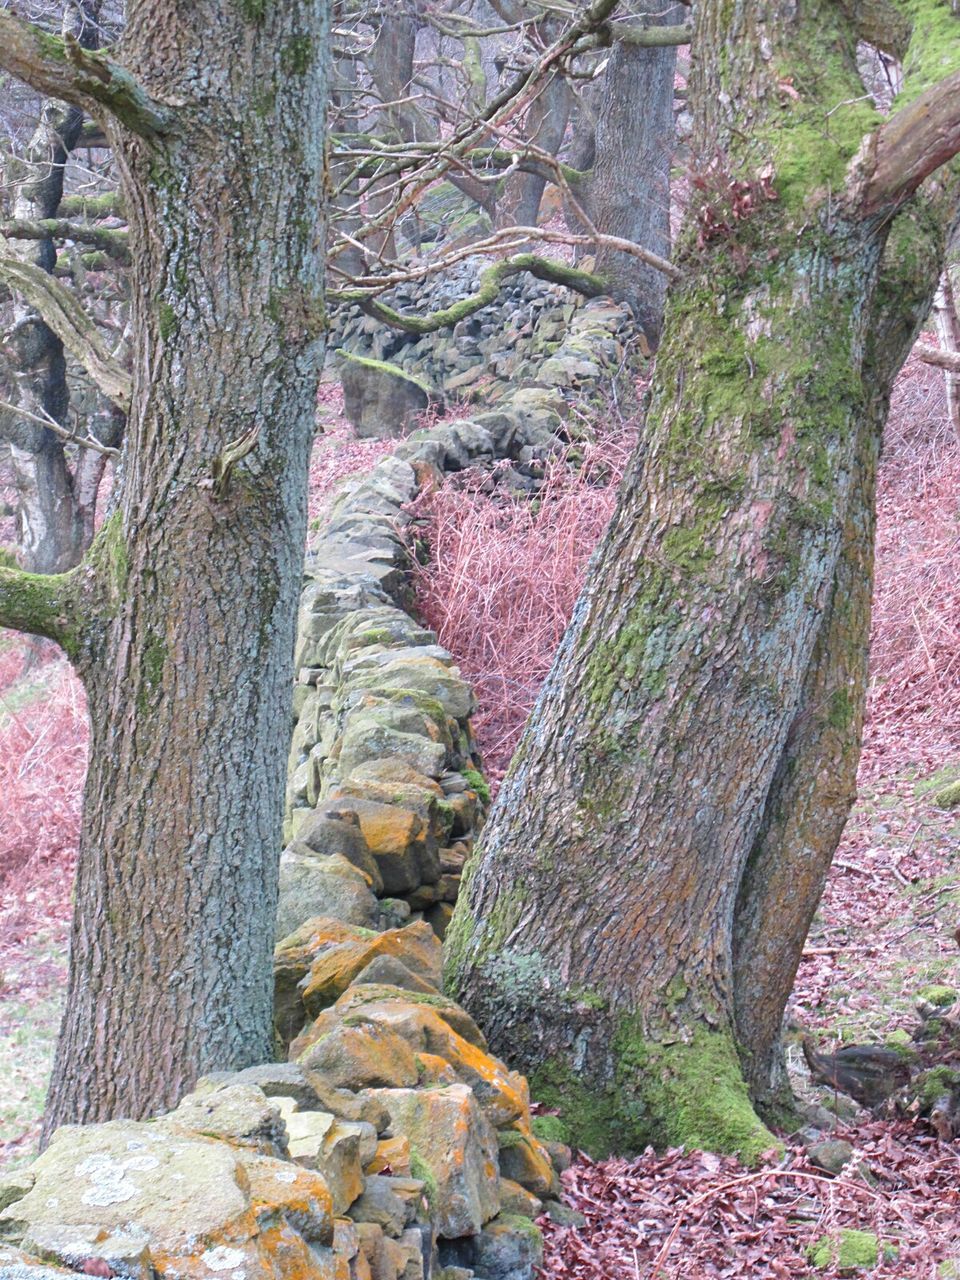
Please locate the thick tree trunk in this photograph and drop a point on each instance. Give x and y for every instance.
(193, 585)
(668, 754)
(629, 194)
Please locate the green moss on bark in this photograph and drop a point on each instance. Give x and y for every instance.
(682, 1093)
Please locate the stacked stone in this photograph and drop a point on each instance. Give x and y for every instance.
(489, 354)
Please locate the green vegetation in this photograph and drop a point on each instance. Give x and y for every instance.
(848, 1251)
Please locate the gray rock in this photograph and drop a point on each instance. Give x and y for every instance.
(830, 1155)
(322, 886)
(379, 398)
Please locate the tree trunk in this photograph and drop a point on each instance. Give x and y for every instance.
(50, 533)
(948, 331)
(189, 595)
(629, 193)
(715, 657)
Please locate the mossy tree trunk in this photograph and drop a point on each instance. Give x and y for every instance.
(180, 619)
(631, 925)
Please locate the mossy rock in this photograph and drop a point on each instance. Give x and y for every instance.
(848, 1251)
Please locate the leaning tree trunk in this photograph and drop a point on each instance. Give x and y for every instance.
(180, 620)
(713, 649)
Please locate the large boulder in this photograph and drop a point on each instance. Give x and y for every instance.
(145, 1200)
(380, 399)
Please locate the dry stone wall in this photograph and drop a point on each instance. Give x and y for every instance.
(534, 334)
(386, 1143)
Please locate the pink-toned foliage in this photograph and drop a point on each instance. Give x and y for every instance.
(503, 575)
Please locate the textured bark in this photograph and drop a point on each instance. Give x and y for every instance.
(630, 185)
(50, 530)
(815, 783)
(675, 734)
(184, 632)
(545, 126)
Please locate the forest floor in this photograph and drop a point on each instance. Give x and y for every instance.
(883, 932)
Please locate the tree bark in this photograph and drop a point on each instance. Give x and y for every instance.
(713, 667)
(180, 619)
(629, 192)
(50, 528)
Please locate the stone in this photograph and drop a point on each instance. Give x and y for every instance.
(381, 1205)
(563, 1215)
(831, 1155)
(523, 1159)
(427, 675)
(392, 1156)
(398, 839)
(380, 399)
(368, 738)
(357, 1057)
(456, 1143)
(239, 1113)
(15, 1185)
(158, 1201)
(426, 1036)
(282, 1080)
(322, 886)
(319, 1141)
(292, 959)
(337, 965)
(518, 1200)
(508, 1248)
(335, 831)
(391, 972)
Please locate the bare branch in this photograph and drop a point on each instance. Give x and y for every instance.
(85, 442)
(61, 311)
(64, 70)
(949, 360)
(490, 281)
(913, 144)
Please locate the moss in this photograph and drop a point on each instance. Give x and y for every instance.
(167, 320)
(689, 548)
(384, 366)
(939, 995)
(253, 10)
(688, 1093)
(296, 56)
(523, 1226)
(549, 1128)
(841, 709)
(934, 48)
(931, 1085)
(478, 784)
(949, 797)
(420, 1170)
(848, 1251)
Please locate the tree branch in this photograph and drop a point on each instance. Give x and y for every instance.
(112, 242)
(41, 604)
(644, 37)
(490, 281)
(64, 70)
(61, 311)
(913, 144)
(949, 360)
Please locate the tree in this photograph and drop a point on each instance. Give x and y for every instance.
(629, 930)
(56, 505)
(180, 618)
